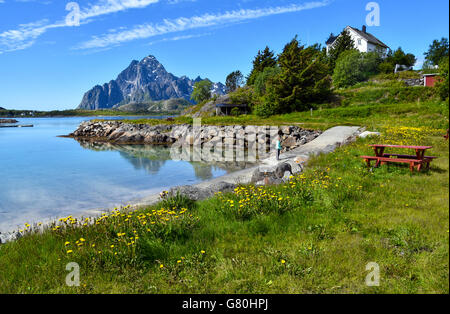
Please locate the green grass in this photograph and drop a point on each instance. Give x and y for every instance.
(335, 219)
(430, 113)
(313, 235)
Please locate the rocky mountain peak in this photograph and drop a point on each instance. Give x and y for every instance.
(142, 81)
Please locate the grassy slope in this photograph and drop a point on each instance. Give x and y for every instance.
(339, 216)
(369, 104)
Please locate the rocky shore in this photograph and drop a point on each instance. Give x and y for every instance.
(8, 121)
(118, 132)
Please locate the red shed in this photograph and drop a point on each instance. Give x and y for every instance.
(430, 79)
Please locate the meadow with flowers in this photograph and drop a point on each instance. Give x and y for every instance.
(312, 234)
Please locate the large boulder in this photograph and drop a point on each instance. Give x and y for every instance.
(368, 134)
(196, 193)
(289, 142)
(272, 173)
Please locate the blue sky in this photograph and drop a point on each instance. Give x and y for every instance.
(46, 64)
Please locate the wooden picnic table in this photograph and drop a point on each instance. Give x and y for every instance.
(419, 159)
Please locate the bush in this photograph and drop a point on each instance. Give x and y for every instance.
(266, 109)
(235, 112)
(386, 67)
(353, 67)
(442, 85)
(177, 200)
(241, 96)
(248, 201)
(396, 76)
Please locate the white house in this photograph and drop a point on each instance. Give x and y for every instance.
(364, 41)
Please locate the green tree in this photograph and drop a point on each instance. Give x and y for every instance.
(263, 78)
(400, 57)
(234, 81)
(442, 86)
(387, 66)
(353, 67)
(235, 112)
(344, 42)
(302, 81)
(396, 57)
(263, 59)
(202, 91)
(437, 51)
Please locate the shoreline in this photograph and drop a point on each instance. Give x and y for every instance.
(268, 169)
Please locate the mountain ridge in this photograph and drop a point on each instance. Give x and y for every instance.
(142, 81)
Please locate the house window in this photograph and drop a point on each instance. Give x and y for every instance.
(359, 41)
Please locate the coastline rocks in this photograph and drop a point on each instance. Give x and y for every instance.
(272, 174)
(196, 193)
(8, 121)
(184, 134)
(10, 236)
(368, 134)
(123, 133)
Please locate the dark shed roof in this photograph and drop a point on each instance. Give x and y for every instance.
(331, 39)
(230, 105)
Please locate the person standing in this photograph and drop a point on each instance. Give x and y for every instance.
(278, 145)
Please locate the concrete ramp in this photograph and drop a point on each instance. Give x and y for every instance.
(327, 142)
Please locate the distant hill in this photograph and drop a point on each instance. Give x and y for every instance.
(1, 108)
(142, 82)
(169, 105)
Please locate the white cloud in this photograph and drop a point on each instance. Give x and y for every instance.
(111, 6)
(176, 38)
(184, 23)
(26, 34)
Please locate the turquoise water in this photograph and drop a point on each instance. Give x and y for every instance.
(43, 176)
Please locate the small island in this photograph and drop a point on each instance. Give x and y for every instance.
(8, 121)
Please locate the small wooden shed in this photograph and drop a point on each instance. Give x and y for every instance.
(225, 109)
(430, 79)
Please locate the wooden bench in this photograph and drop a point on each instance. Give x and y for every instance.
(419, 159)
(383, 160)
(407, 156)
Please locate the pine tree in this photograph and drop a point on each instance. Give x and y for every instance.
(303, 79)
(344, 42)
(263, 59)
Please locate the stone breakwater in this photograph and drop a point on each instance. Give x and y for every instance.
(118, 132)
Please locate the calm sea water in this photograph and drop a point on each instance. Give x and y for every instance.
(43, 176)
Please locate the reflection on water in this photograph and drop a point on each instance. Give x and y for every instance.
(153, 157)
(43, 176)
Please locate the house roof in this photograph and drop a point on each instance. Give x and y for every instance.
(369, 37)
(331, 39)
